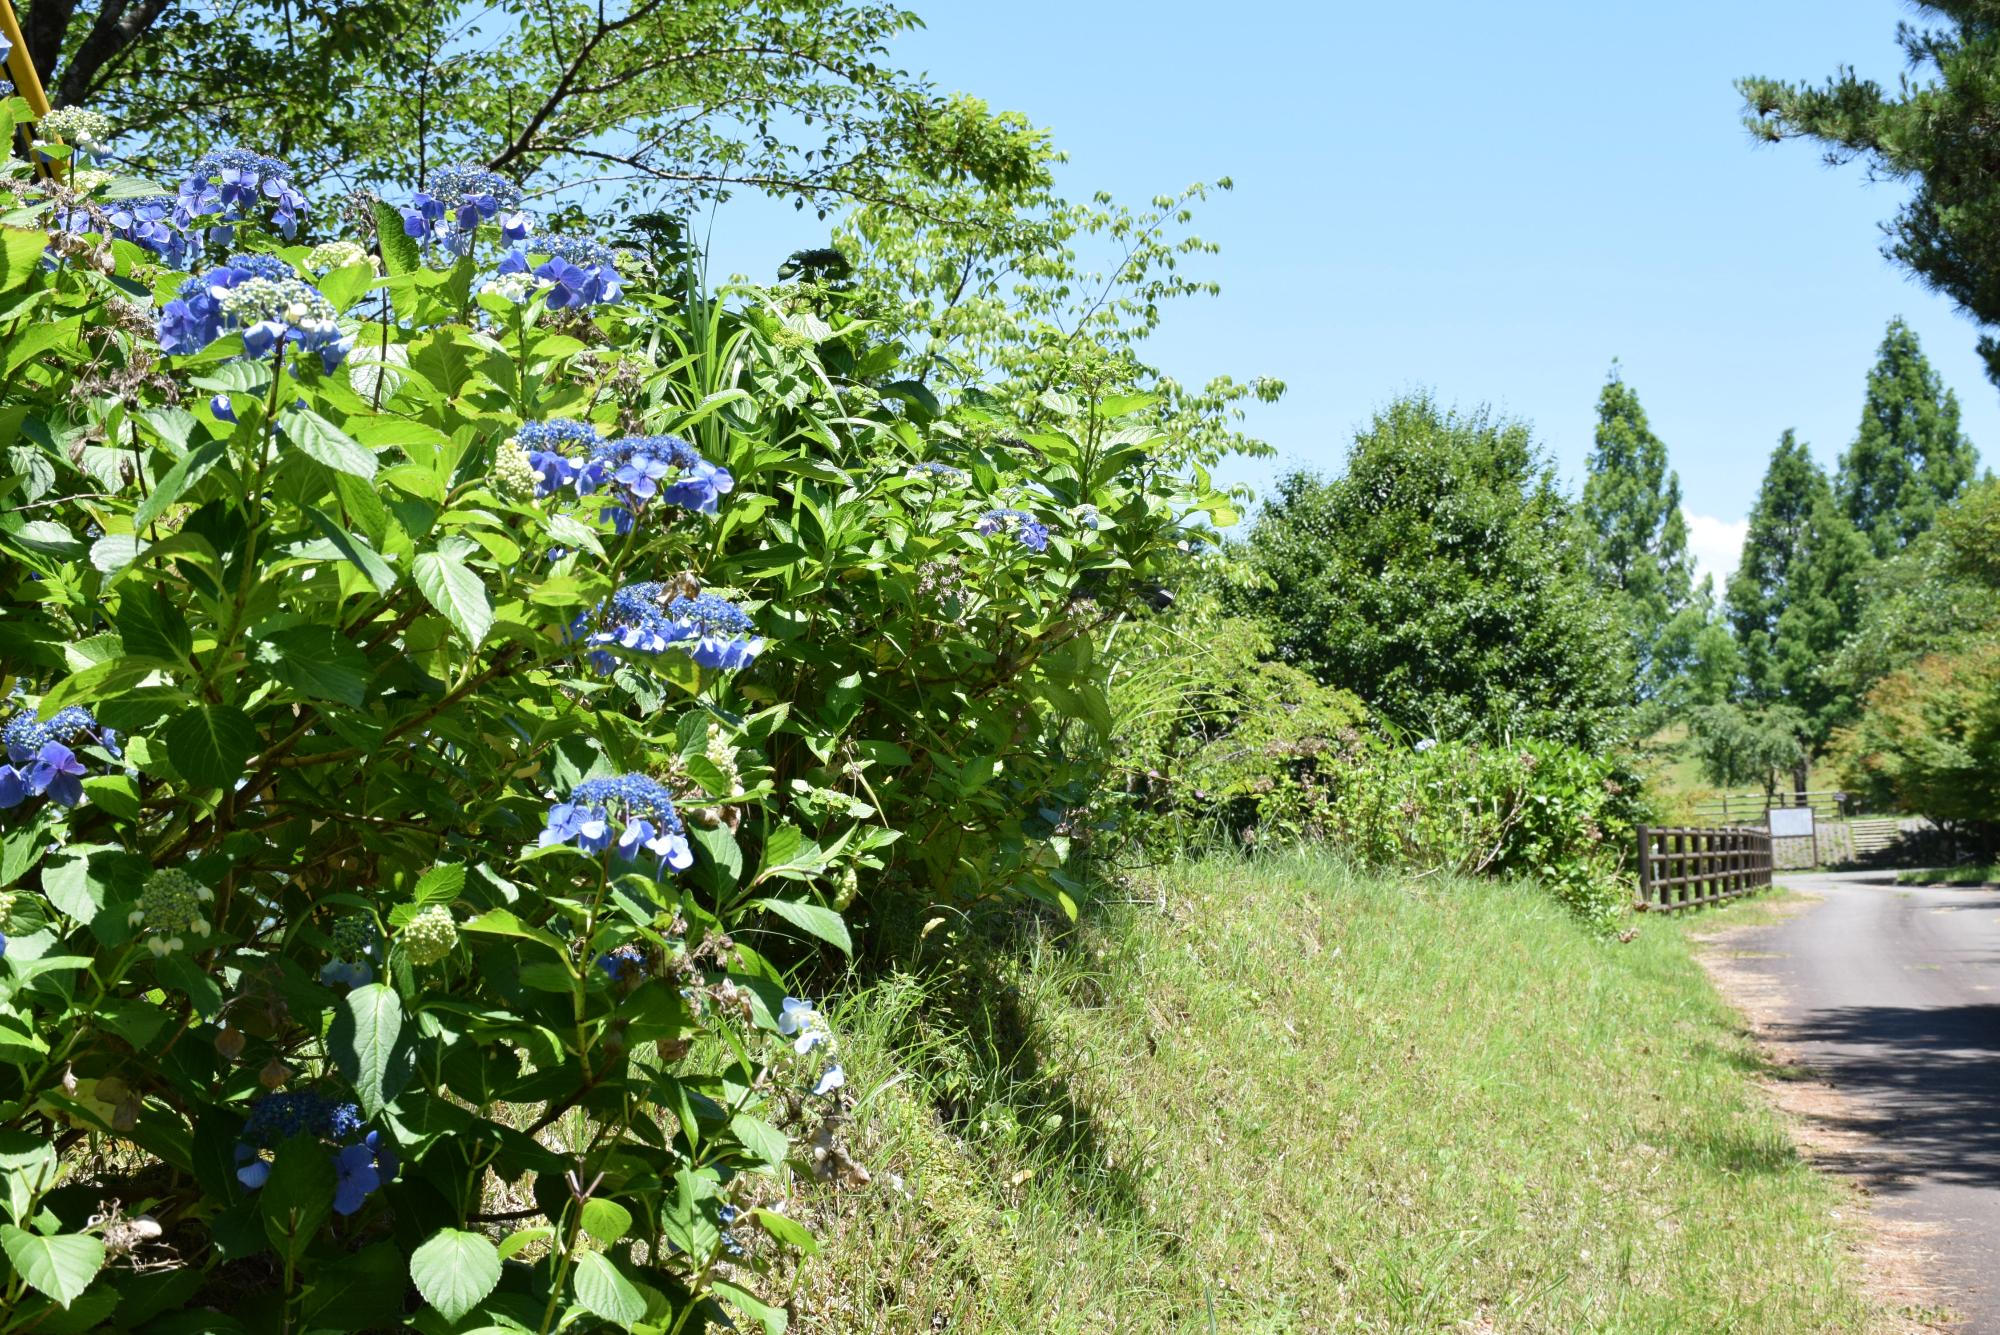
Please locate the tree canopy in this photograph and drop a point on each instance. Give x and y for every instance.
(1631, 509)
(1444, 579)
(632, 103)
(1796, 594)
(1934, 131)
(1909, 457)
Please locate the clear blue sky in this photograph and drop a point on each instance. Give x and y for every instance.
(1489, 200)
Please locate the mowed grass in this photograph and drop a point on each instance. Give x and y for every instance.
(1977, 873)
(1282, 1097)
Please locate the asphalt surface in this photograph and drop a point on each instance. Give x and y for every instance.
(1893, 994)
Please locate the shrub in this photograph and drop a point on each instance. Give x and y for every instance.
(454, 679)
(1928, 741)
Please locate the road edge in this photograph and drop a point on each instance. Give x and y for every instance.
(1898, 1272)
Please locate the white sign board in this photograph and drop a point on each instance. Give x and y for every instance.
(1791, 822)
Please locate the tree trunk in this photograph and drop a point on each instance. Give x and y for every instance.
(1800, 776)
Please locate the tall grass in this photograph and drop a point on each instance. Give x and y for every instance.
(1281, 1097)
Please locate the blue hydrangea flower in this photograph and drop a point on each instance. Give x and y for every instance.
(581, 272)
(194, 318)
(830, 1079)
(233, 185)
(150, 221)
(44, 763)
(641, 810)
(24, 735)
(557, 451)
(460, 197)
(714, 632)
(1029, 531)
(635, 617)
(224, 410)
(278, 1117)
(355, 1174)
(260, 295)
(642, 468)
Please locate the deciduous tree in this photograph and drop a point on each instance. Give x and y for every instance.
(1444, 580)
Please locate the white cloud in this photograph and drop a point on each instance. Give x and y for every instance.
(1716, 545)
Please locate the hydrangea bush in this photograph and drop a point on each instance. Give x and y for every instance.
(456, 679)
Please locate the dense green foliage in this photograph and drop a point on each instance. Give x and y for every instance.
(1797, 592)
(1909, 458)
(1444, 580)
(1932, 131)
(416, 794)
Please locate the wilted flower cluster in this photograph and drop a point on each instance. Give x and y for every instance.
(81, 127)
(233, 184)
(171, 909)
(640, 468)
(276, 1118)
(711, 630)
(460, 197)
(42, 756)
(580, 272)
(623, 964)
(1029, 531)
(260, 295)
(641, 810)
(355, 952)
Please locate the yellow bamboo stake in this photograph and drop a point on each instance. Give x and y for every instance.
(20, 67)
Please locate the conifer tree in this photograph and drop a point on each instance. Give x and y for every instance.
(1632, 508)
(1796, 593)
(1910, 457)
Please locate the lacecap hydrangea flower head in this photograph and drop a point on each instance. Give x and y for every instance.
(266, 300)
(579, 272)
(446, 214)
(42, 756)
(1029, 531)
(639, 469)
(711, 630)
(81, 127)
(630, 814)
(233, 185)
(172, 907)
(557, 450)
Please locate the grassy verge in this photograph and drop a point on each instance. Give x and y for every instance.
(1971, 874)
(1284, 1098)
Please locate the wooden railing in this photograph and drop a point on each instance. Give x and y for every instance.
(1683, 868)
(1749, 807)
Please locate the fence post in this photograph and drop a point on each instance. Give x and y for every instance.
(1645, 867)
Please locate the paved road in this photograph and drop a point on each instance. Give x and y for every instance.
(1893, 993)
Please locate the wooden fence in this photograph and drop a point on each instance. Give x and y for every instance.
(1682, 868)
